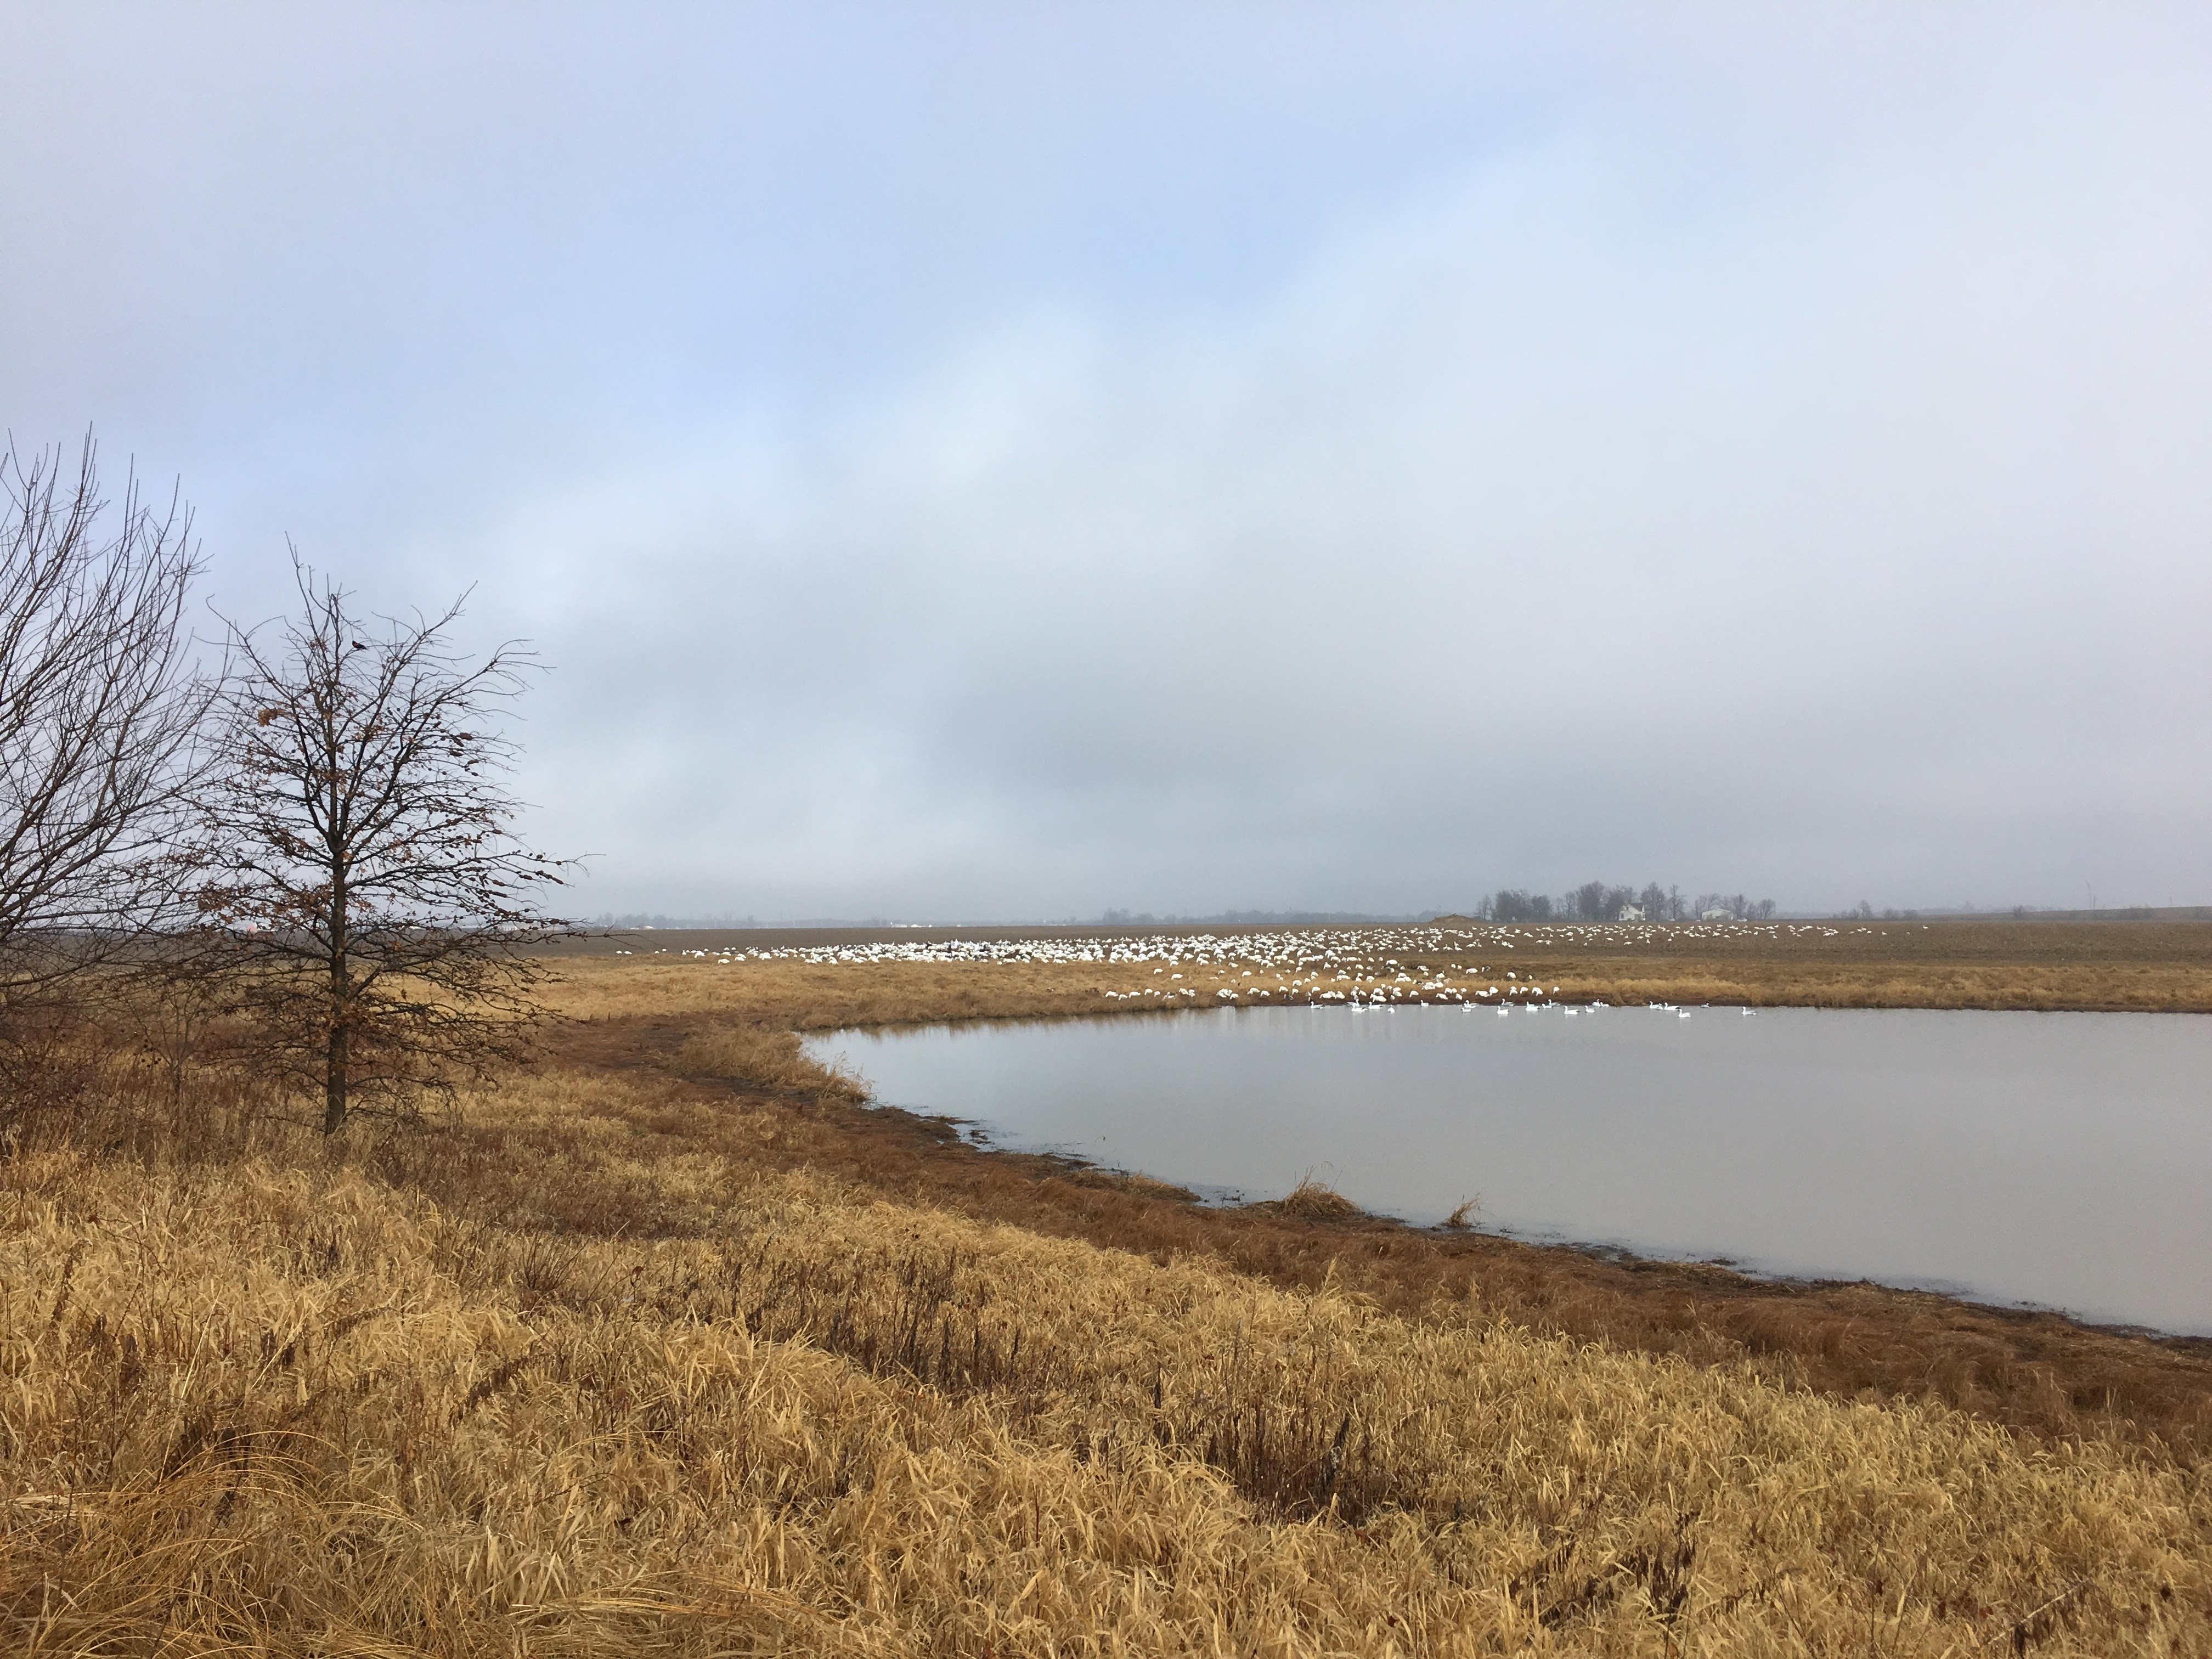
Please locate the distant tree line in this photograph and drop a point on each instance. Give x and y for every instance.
(1592, 902)
(1603, 902)
(638, 919)
(1256, 919)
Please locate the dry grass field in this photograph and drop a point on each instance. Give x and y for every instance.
(667, 1345)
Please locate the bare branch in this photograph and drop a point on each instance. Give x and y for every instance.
(98, 708)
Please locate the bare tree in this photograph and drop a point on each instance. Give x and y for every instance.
(1513, 904)
(98, 708)
(1596, 900)
(362, 884)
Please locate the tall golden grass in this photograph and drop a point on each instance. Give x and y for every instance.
(577, 1376)
(2039, 1373)
(669, 1346)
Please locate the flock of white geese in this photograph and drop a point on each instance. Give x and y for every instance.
(1358, 968)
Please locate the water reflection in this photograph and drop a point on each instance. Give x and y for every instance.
(2060, 1159)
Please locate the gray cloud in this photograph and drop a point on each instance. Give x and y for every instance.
(964, 463)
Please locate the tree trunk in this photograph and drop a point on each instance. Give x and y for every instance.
(334, 1058)
(334, 1079)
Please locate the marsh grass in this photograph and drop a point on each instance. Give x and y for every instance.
(669, 1346)
(1313, 1201)
(279, 1403)
(763, 1058)
(2039, 1373)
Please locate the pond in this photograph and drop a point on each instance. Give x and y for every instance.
(2054, 1160)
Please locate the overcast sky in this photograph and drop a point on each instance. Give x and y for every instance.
(992, 462)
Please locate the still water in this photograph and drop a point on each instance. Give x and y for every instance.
(2061, 1160)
